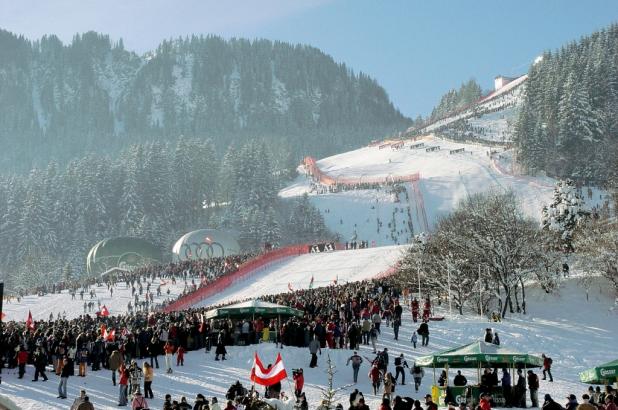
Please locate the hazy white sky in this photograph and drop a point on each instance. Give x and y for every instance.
(416, 49)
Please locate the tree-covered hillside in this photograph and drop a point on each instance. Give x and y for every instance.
(454, 100)
(50, 218)
(59, 101)
(568, 124)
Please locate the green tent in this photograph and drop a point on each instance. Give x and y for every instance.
(479, 354)
(604, 374)
(253, 308)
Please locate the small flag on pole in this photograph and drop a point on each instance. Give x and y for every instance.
(290, 287)
(311, 283)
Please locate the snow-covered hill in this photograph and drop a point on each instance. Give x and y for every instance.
(577, 333)
(445, 179)
(489, 119)
(325, 268)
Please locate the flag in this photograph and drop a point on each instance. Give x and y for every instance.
(2, 315)
(104, 311)
(268, 377)
(311, 283)
(109, 336)
(29, 321)
(290, 287)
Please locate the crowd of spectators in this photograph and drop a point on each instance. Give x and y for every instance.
(337, 316)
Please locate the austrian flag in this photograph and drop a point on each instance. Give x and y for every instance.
(268, 376)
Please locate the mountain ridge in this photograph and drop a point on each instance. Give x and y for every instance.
(61, 100)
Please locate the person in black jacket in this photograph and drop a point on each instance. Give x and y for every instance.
(460, 379)
(400, 365)
(154, 349)
(550, 404)
(40, 361)
(423, 330)
(64, 378)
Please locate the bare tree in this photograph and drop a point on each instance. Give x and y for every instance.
(597, 241)
(486, 245)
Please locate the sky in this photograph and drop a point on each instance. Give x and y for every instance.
(417, 50)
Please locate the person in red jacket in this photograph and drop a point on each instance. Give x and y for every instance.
(427, 309)
(180, 356)
(415, 310)
(375, 375)
(299, 382)
(22, 359)
(123, 372)
(484, 403)
(547, 362)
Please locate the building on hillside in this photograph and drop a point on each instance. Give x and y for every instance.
(500, 81)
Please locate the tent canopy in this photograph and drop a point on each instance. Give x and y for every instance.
(602, 374)
(251, 308)
(479, 354)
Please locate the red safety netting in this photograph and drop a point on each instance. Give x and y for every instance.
(246, 270)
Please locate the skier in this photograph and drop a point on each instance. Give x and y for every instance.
(414, 339)
(496, 340)
(356, 363)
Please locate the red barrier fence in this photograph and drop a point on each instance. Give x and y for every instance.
(326, 179)
(245, 271)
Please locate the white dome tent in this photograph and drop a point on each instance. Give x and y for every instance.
(204, 244)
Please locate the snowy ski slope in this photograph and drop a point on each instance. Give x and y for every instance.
(445, 180)
(42, 306)
(344, 266)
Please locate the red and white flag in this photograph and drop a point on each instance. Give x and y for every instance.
(290, 287)
(104, 311)
(29, 321)
(268, 377)
(109, 336)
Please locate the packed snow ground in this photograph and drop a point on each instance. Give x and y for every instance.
(577, 333)
(446, 179)
(42, 306)
(343, 266)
